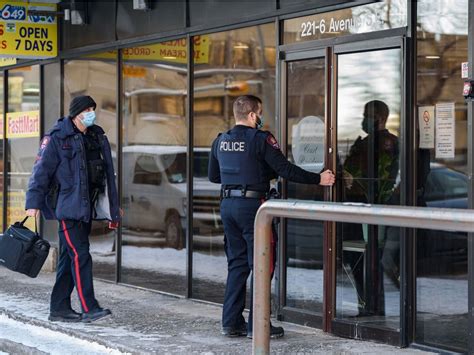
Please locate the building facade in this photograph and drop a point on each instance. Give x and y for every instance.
(370, 89)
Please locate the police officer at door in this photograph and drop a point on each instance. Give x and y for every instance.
(244, 160)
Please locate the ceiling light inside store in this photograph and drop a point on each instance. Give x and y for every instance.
(432, 57)
(241, 46)
(168, 57)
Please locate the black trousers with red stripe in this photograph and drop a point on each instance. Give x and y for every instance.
(74, 268)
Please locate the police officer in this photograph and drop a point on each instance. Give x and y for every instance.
(73, 181)
(244, 160)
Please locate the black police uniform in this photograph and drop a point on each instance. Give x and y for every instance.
(244, 160)
(75, 262)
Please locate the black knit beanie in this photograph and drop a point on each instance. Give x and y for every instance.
(79, 104)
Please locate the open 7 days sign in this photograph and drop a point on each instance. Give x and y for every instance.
(23, 35)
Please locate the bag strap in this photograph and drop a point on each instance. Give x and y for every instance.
(36, 224)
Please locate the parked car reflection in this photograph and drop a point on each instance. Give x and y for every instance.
(443, 251)
(155, 195)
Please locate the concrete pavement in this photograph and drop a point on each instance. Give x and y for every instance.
(145, 322)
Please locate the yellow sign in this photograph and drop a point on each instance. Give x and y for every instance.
(170, 51)
(25, 35)
(7, 61)
(134, 72)
(23, 124)
(16, 209)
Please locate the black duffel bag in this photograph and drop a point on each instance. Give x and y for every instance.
(23, 250)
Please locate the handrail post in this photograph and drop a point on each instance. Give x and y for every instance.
(262, 283)
(397, 216)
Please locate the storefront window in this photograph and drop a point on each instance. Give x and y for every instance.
(95, 75)
(230, 64)
(442, 273)
(154, 171)
(23, 130)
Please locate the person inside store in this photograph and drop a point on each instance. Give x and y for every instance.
(244, 160)
(73, 181)
(370, 171)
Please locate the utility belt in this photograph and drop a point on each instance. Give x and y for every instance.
(244, 193)
(227, 193)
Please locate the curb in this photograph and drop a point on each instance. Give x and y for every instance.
(71, 332)
(11, 347)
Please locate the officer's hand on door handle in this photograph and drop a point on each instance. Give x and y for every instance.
(327, 178)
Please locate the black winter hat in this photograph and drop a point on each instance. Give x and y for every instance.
(79, 104)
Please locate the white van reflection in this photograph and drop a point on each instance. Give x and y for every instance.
(155, 196)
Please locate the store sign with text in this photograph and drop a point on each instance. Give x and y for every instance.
(378, 16)
(4, 62)
(23, 124)
(170, 51)
(25, 35)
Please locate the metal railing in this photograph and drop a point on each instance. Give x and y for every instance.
(397, 216)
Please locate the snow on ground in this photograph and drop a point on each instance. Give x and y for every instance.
(435, 295)
(48, 340)
(33, 309)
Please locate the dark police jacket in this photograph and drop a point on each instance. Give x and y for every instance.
(250, 157)
(61, 163)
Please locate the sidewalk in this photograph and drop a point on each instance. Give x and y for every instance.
(146, 322)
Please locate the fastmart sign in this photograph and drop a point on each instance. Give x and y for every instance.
(23, 124)
(27, 36)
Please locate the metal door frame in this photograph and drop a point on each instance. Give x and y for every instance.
(330, 50)
(285, 312)
(344, 327)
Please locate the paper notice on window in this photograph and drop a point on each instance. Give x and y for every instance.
(445, 130)
(426, 118)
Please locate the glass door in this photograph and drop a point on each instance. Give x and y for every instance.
(342, 110)
(368, 125)
(305, 108)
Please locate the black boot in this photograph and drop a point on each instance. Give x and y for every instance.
(275, 332)
(95, 314)
(239, 331)
(69, 316)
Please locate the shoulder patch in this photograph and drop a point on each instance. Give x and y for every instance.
(272, 141)
(44, 143)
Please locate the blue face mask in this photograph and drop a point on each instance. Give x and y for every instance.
(88, 118)
(259, 122)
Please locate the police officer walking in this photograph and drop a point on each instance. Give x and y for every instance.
(73, 181)
(244, 160)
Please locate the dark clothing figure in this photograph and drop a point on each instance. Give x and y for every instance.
(382, 175)
(372, 165)
(73, 181)
(244, 160)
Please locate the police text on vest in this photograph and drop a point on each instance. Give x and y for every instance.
(232, 146)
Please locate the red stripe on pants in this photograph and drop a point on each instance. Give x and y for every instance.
(76, 268)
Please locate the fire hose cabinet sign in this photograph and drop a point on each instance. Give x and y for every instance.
(27, 35)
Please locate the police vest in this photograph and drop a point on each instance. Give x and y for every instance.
(237, 158)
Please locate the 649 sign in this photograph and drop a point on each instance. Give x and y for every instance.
(27, 36)
(9, 12)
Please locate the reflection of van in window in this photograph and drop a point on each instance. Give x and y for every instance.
(154, 193)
